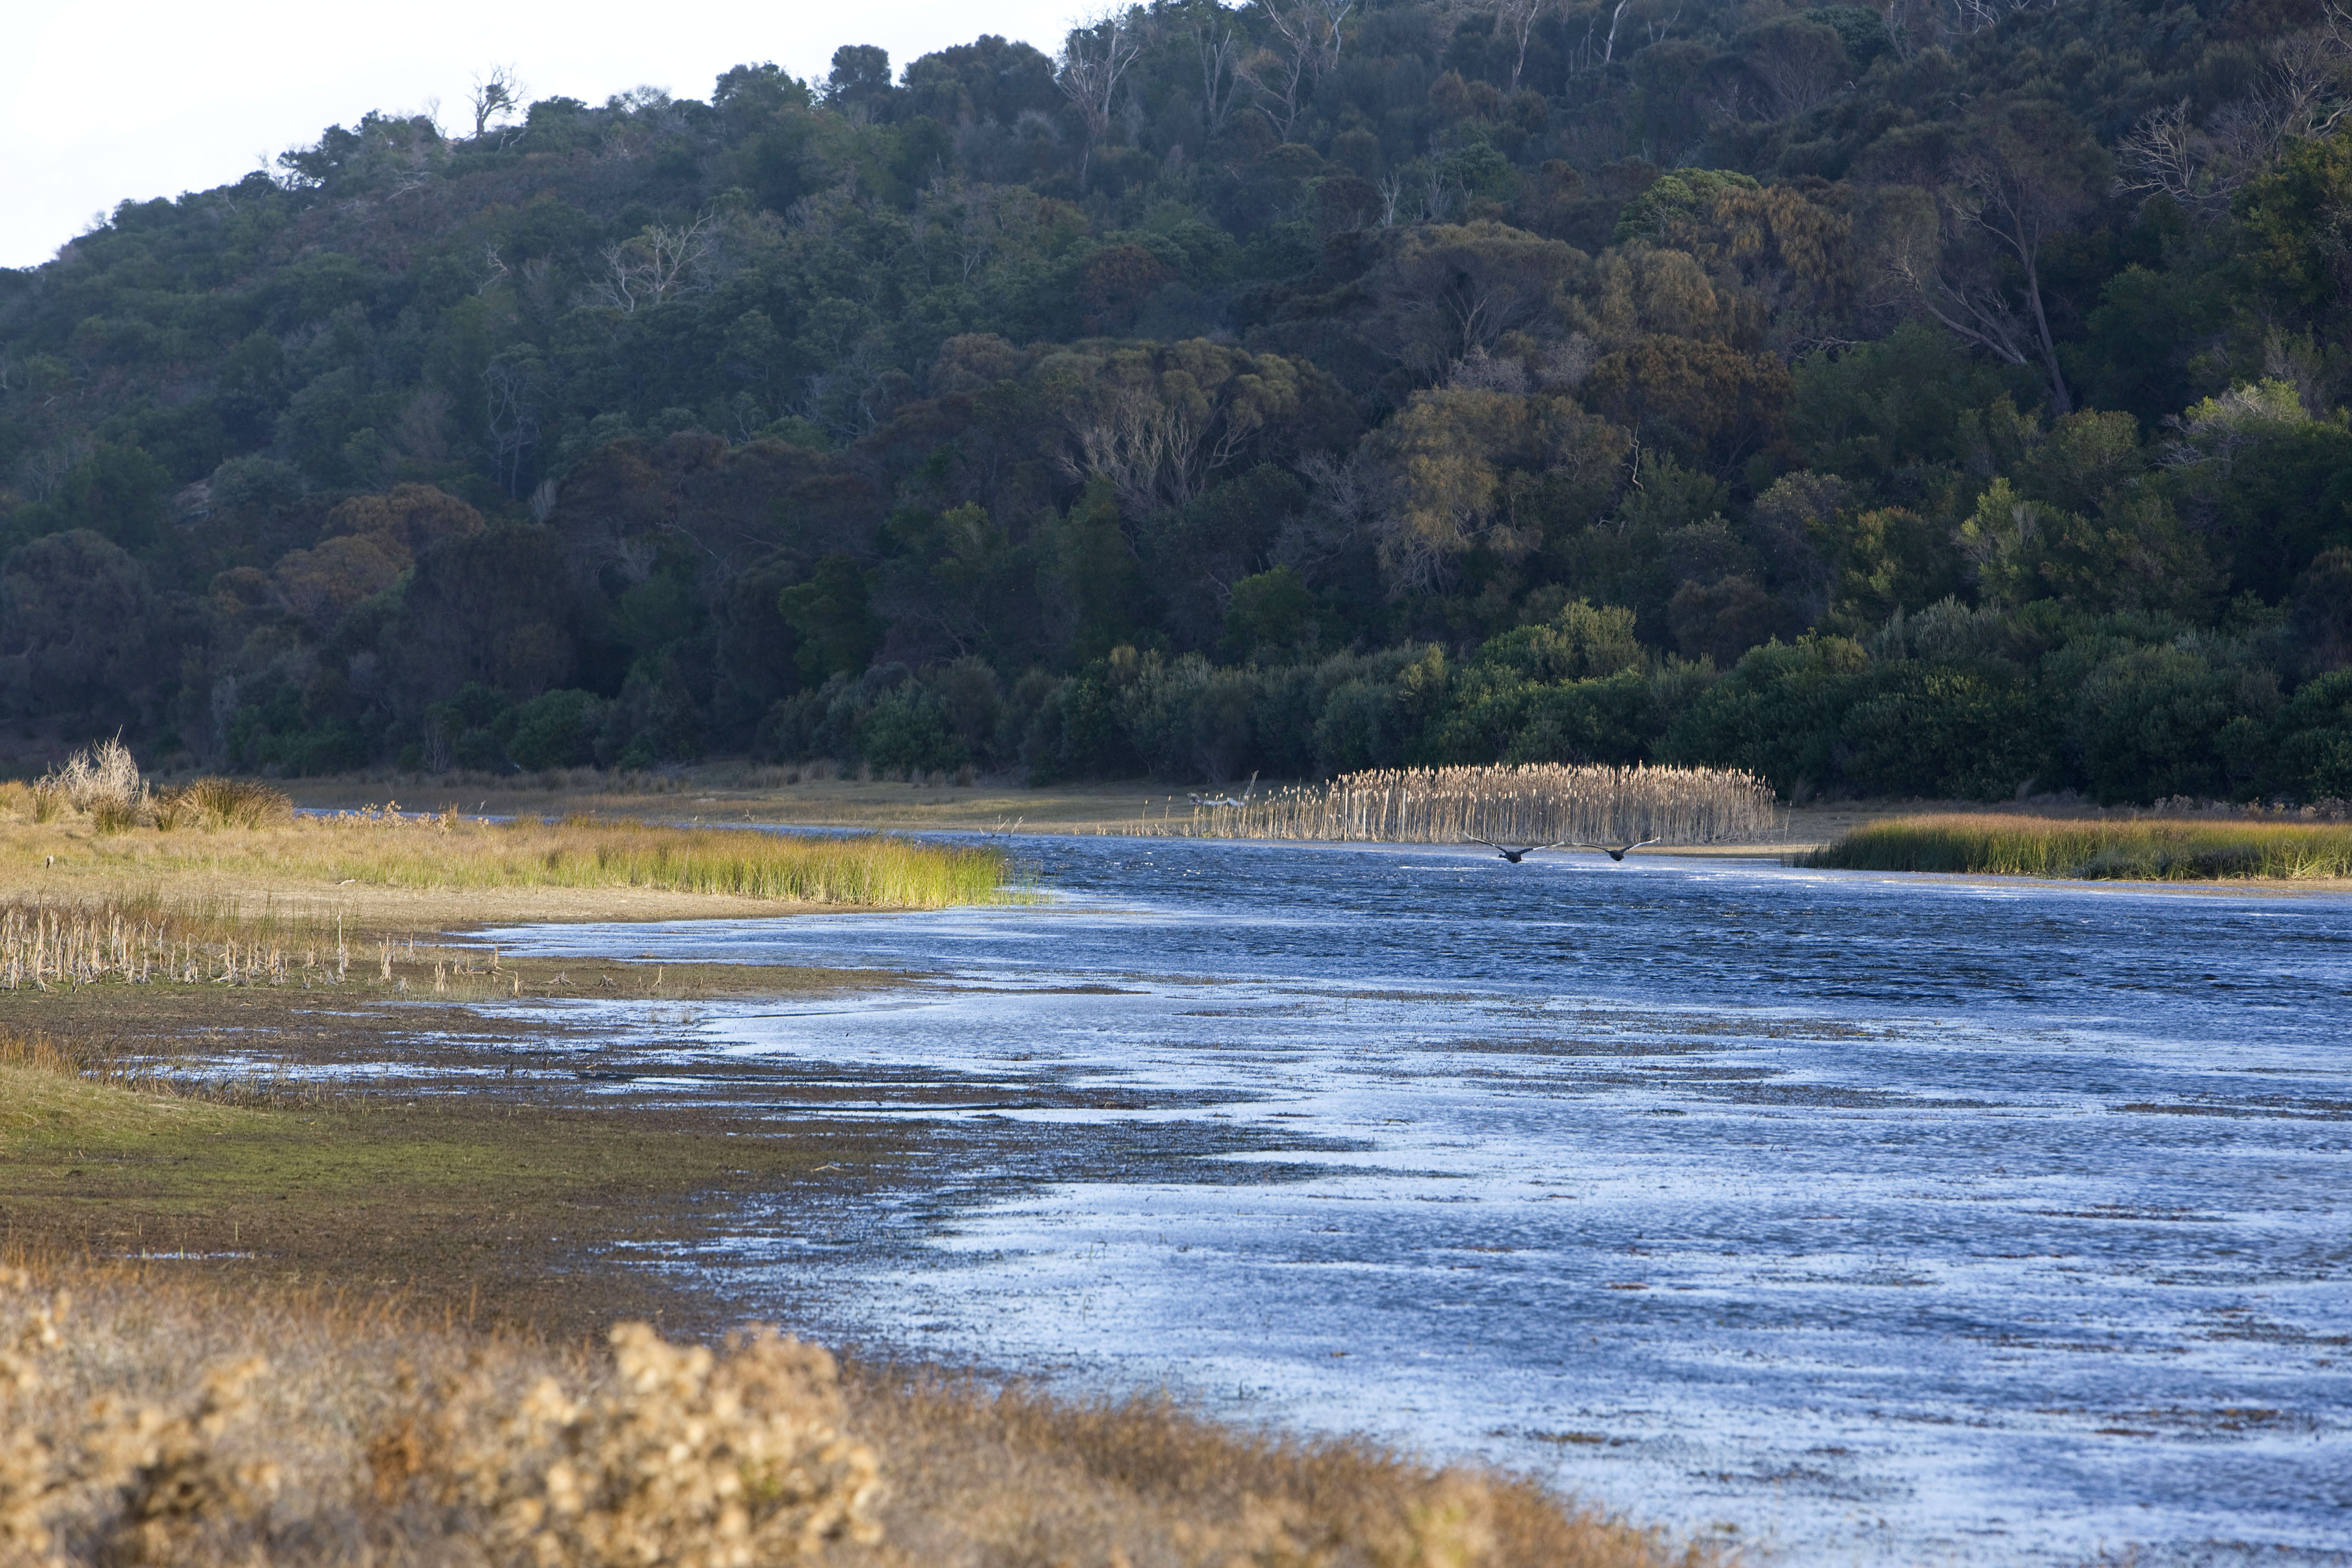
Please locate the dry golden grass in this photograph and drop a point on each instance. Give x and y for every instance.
(1534, 803)
(354, 854)
(2145, 848)
(145, 1420)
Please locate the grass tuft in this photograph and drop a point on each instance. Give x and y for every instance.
(2148, 850)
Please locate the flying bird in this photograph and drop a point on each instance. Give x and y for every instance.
(1616, 852)
(1506, 851)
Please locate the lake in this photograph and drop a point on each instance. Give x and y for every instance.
(1876, 1219)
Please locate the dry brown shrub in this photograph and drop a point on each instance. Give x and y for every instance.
(684, 1459)
(117, 1480)
(103, 772)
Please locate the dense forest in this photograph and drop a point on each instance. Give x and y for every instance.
(1940, 400)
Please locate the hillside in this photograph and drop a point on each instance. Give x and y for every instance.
(1944, 401)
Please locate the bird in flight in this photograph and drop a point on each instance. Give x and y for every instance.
(1617, 852)
(1506, 851)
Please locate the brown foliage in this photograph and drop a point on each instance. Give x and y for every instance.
(1732, 403)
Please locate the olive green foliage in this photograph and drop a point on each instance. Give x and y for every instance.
(1913, 400)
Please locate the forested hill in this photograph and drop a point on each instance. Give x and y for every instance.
(1944, 401)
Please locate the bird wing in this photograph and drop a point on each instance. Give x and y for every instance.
(1645, 843)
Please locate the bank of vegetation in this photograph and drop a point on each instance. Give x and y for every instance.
(2151, 848)
(158, 1421)
(1941, 399)
(96, 817)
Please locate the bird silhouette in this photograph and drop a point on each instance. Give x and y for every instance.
(1616, 852)
(1506, 851)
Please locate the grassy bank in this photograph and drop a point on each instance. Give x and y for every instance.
(2148, 850)
(176, 1403)
(377, 849)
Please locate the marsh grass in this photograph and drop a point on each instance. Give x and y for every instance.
(387, 848)
(151, 1419)
(1534, 803)
(2146, 849)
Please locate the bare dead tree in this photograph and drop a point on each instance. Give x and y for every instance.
(655, 265)
(1514, 22)
(2306, 93)
(1308, 38)
(495, 92)
(1095, 56)
(511, 385)
(1218, 46)
(1609, 50)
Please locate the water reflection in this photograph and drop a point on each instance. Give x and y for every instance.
(1893, 1221)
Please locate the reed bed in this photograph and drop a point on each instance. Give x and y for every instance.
(139, 938)
(2159, 849)
(1535, 803)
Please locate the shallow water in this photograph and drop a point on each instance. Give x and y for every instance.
(1881, 1220)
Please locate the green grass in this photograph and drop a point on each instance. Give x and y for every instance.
(2149, 849)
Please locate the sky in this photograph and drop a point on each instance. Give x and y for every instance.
(103, 102)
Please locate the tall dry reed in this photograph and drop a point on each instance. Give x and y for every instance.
(142, 938)
(1535, 803)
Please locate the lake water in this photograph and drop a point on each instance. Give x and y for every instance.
(1875, 1220)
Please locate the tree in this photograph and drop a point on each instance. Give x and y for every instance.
(1450, 290)
(1159, 422)
(74, 619)
(1802, 63)
(2027, 171)
(1731, 404)
(1095, 56)
(495, 92)
(1306, 41)
(831, 611)
(1515, 23)
(1217, 45)
(1458, 470)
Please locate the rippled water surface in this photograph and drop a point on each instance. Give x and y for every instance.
(1886, 1221)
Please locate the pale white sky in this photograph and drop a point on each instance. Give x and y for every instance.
(140, 99)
